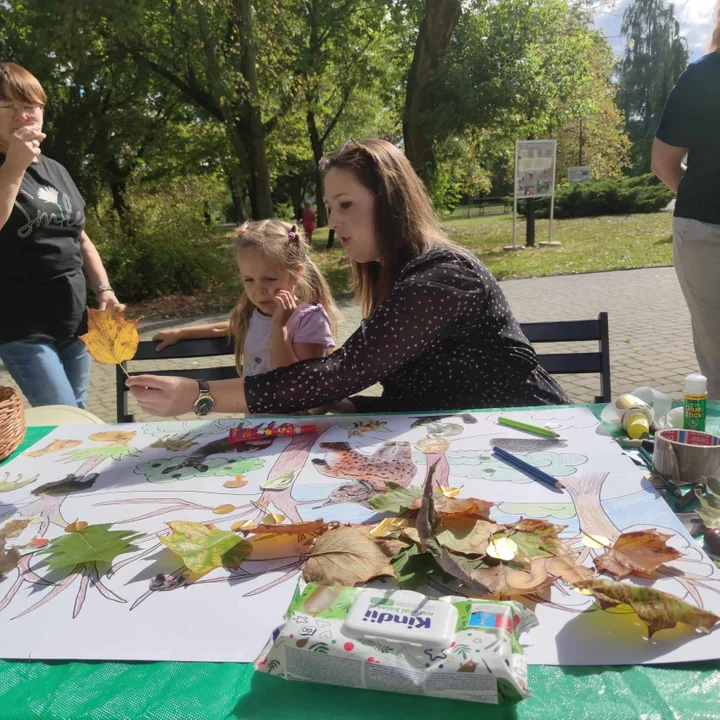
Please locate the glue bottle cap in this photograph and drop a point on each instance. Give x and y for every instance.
(695, 384)
(638, 424)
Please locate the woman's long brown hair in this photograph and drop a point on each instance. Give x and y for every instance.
(405, 223)
(715, 42)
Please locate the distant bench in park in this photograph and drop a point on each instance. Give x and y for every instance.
(490, 202)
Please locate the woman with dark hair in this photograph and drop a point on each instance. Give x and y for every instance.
(690, 127)
(46, 253)
(438, 332)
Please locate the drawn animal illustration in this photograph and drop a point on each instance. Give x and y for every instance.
(429, 419)
(357, 492)
(358, 429)
(391, 462)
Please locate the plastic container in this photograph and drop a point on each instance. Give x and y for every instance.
(695, 406)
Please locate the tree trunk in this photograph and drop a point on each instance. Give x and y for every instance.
(254, 138)
(585, 493)
(116, 179)
(236, 184)
(318, 152)
(438, 24)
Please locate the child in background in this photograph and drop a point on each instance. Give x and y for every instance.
(308, 221)
(286, 312)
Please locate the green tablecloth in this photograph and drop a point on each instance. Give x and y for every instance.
(163, 690)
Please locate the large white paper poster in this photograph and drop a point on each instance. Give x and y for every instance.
(138, 477)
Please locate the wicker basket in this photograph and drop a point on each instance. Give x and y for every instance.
(12, 421)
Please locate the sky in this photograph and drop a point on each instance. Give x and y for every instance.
(695, 18)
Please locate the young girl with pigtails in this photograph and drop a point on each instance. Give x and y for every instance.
(286, 312)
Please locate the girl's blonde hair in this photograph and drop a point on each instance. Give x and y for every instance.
(715, 42)
(283, 245)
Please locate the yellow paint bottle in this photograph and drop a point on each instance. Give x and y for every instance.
(636, 416)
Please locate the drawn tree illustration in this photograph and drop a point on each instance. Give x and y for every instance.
(47, 510)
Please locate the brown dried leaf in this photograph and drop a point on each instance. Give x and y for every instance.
(657, 609)
(637, 553)
(9, 559)
(269, 546)
(504, 582)
(14, 528)
(347, 556)
(111, 339)
(313, 527)
(466, 507)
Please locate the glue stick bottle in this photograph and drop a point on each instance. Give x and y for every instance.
(695, 402)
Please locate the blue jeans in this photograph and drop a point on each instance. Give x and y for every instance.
(49, 373)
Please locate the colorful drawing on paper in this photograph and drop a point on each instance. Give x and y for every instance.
(162, 485)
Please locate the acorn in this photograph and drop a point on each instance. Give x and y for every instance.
(712, 541)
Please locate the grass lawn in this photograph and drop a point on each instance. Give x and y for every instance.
(588, 245)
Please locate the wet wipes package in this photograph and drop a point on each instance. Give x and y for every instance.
(402, 641)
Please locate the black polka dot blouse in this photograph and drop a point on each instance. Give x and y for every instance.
(444, 339)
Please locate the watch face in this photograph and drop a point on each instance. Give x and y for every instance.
(204, 405)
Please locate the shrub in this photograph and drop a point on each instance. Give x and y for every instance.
(643, 194)
(168, 249)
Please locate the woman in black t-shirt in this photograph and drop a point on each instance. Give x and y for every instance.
(45, 255)
(691, 126)
(438, 332)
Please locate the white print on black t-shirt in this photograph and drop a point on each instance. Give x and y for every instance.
(49, 195)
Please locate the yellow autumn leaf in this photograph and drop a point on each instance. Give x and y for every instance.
(111, 339)
(389, 525)
(223, 509)
(53, 447)
(447, 491)
(76, 526)
(243, 525)
(273, 519)
(119, 437)
(238, 482)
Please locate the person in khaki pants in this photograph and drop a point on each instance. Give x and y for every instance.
(691, 126)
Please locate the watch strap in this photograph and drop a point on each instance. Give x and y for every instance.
(203, 386)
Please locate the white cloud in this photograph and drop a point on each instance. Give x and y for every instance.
(695, 18)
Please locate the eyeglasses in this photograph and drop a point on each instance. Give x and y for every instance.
(16, 109)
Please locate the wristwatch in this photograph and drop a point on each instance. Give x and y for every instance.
(205, 402)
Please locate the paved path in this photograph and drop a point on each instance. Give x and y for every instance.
(651, 341)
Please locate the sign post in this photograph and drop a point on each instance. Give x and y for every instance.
(579, 174)
(534, 178)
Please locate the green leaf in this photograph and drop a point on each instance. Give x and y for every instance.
(10, 485)
(413, 567)
(95, 543)
(108, 452)
(396, 500)
(280, 481)
(205, 547)
(537, 538)
(657, 609)
(709, 510)
(466, 535)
